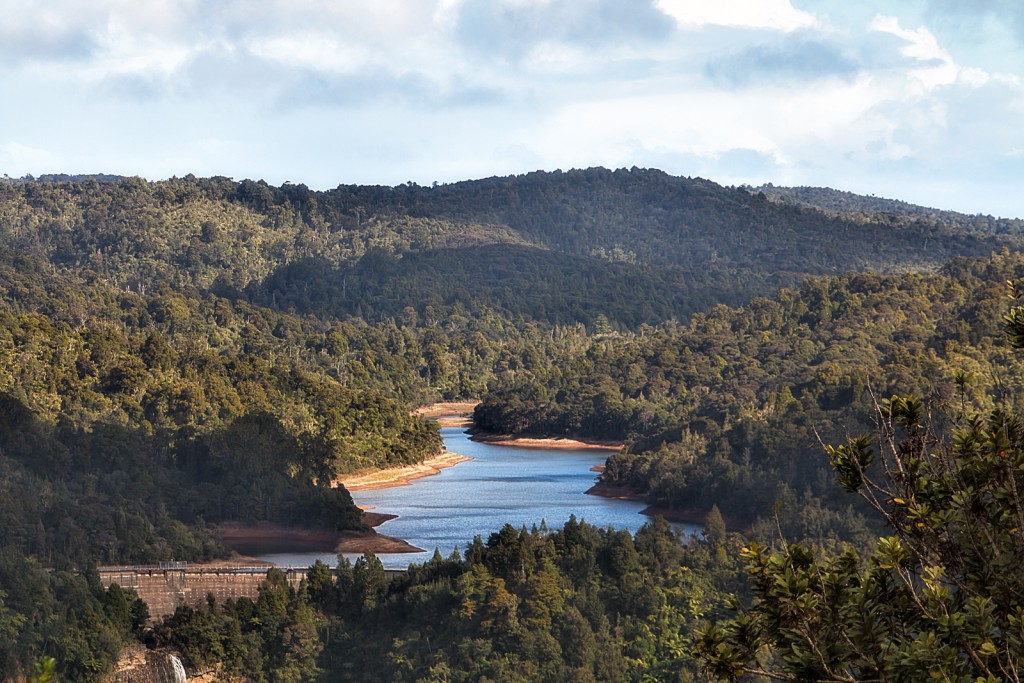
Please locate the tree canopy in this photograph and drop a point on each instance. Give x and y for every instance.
(941, 597)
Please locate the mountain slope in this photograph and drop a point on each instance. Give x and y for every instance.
(635, 246)
(893, 211)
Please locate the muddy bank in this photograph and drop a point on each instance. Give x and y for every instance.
(375, 519)
(357, 542)
(556, 443)
(272, 538)
(680, 515)
(460, 414)
(675, 515)
(617, 491)
(449, 413)
(263, 539)
(399, 476)
(447, 408)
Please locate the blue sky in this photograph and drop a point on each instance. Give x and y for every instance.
(921, 100)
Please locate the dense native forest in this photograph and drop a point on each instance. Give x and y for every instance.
(179, 354)
(730, 409)
(578, 603)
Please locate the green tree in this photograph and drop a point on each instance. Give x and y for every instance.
(46, 671)
(369, 582)
(941, 598)
(714, 528)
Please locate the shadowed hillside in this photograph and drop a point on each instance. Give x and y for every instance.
(635, 246)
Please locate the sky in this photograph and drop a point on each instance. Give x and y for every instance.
(920, 100)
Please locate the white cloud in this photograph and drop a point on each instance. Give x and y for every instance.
(921, 45)
(322, 91)
(18, 159)
(772, 14)
(124, 51)
(787, 125)
(313, 50)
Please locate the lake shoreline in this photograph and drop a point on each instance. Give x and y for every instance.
(265, 539)
(449, 413)
(520, 486)
(399, 476)
(549, 442)
(248, 540)
(621, 492)
(460, 414)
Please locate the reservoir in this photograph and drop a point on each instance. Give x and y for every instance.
(501, 484)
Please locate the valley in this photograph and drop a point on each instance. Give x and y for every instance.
(198, 367)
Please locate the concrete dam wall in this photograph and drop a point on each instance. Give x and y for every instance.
(164, 587)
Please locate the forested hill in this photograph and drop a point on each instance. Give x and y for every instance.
(894, 211)
(729, 409)
(650, 217)
(372, 251)
(179, 354)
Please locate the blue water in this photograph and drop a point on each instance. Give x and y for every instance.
(502, 484)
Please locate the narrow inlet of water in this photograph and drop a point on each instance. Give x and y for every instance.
(500, 485)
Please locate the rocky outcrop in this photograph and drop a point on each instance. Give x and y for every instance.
(139, 665)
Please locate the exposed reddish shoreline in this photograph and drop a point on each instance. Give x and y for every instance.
(460, 414)
(620, 492)
(270, 538)
(399, 476)
(447, 409)
(617, 491)
(259, 539)
(449, 413)
(557, 443)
